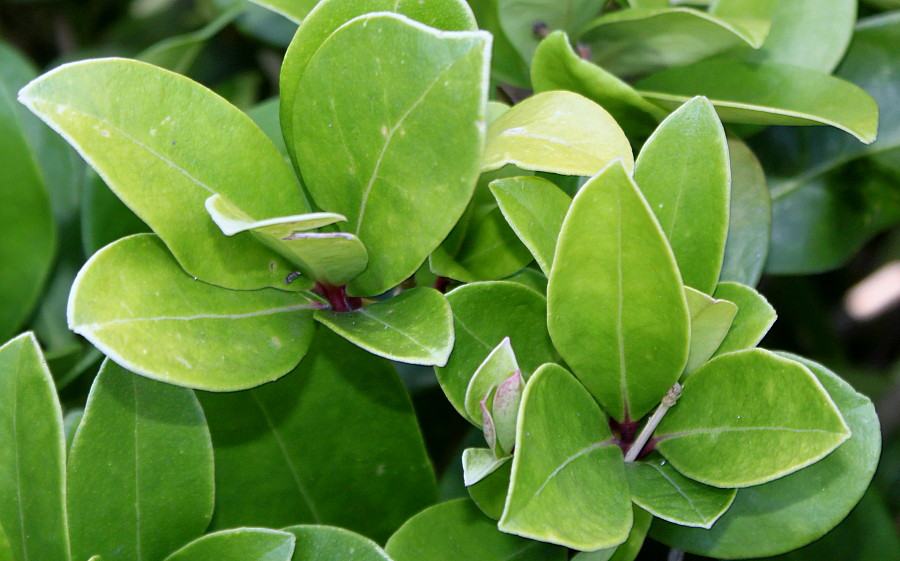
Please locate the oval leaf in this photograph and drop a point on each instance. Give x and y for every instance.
(325, 543)
(617, 310)
(140, 471)
(753, 319)
(134, 302)
(710, 322)
(241, 544)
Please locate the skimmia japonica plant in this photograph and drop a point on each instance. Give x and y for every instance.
(600, 239)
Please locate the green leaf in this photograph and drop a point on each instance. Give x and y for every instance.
(535, 209)
(415, 327)
(140, 470)
(5, 551)
(294, 10)
(518, 17)
(360, 144)
(711, 320)
(557, 67)
(265, 115)
(490, 493)
(617, 310)
(325, 543)
(104, 217)
(483, 315)
(749, 218)
(753, 319)
(638, 41)
(186, 151)
(507, 65)
(241, 544)
(568, 482)
(683, 172)
(342, 407)
(499, 365)
(232, 220)
(558, 132)
(136, 304)
(479, 463)
(179, 53)
(800, 507)
(658, 488)
(628, 550)
(457, 530)
(32, 455)
(768, 94)
(749, 417)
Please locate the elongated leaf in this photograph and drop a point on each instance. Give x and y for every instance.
(749, 218)
(360, 145)
(479, 463)
(325, 543)
(136, 304)
(753, 319)
(456, 530)
(710, 323)
(518, 18)
(638, 41)
(241, 544)
(625, 333)
(342, 406)
(164, 157)
(415, 327)
(140, 472)
(483, 315)
(684, 173)
(716, 435)
(294, 10)
(232, 220)
(568, 481)
(536, 209)
(802, 506)
(179, 53)
(499, 365)
(32, 455)
(557, 132)
(768, 94)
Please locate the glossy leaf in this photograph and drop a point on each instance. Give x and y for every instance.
(568, 482)
(415, 327)
(479, 463)
(790, 422)
(185, 151)
(518, 17)
(359, 145)
(638, 41)
(753, 319)
(749, 218)
(483, 315)
(32, 455)
(684, 173)
(558, 132)
(136, 304)
(341, 405)
(536, 209)
(658, 488)
(326, 543)
(800, 507)
(241, 544)
(140, 471)
(711, 320)
(625, 333)
(768, 94)
(499, 365)
(457, 530)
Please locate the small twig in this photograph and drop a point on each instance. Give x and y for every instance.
(667, 402)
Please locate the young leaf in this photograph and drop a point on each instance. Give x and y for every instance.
(232, 220)
(134, 302)
(140, 471)
(800, 507)
(499, 365)
(616, 305)
(483, 315)
(658, 488)
(341, 405)
(415, 327)
(164, 157)
(558, 132)
(241, 544)
(518, 17)
(568, 481)
(749, 417)
(753, 319)
(360, 144)
(710, 323)
(325, 543)
(490, 493)
(479, 463)
(32, 455)
(536, 209)
(684, 173)
(457, 530)
(505, 410)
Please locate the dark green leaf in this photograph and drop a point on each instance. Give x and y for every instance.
(241, 544)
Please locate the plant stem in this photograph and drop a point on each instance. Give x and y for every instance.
(667, 402)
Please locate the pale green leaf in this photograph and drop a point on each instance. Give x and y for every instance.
(628, 550)
(617, 310)
(499, 365)
(568, 483)
(711, 320)
(241, 544)
(140, 471)
(518, 17)
(326, 543)
(558, 132)
(232, 220)
(479, 463)
(415, 327)
(490, 493)
(136, 304)
(749, 417)
(753, 319)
